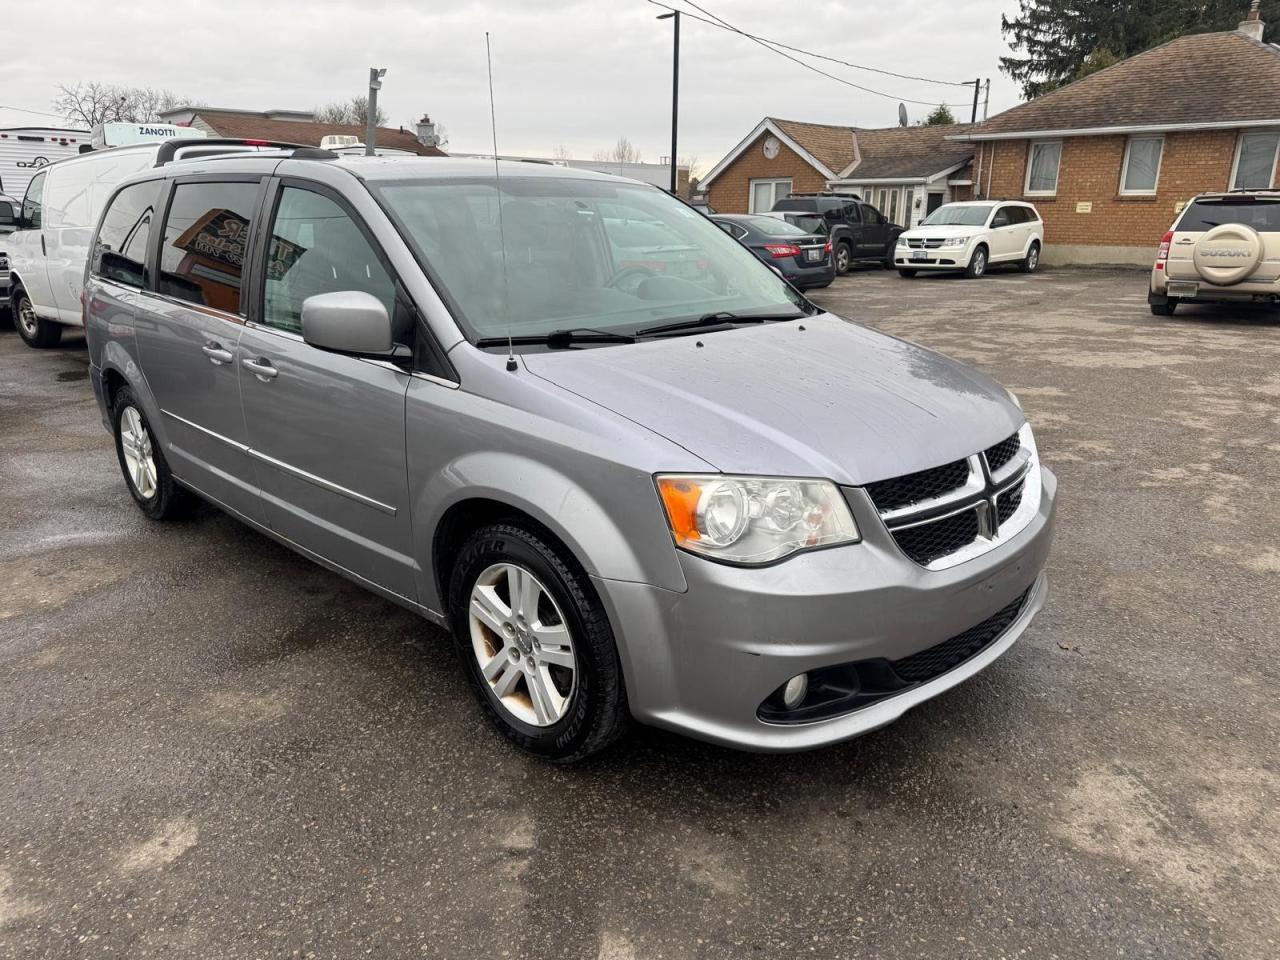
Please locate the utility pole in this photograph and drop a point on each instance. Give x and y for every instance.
(371, 114)
(986, 98)
(675, 95)
(977, 86)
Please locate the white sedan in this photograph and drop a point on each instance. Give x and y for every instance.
(970, 236)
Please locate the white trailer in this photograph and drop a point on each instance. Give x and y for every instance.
(24, 150)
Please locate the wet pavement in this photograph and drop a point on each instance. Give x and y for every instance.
(211, 748)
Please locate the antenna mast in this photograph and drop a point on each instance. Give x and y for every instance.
(502, 233)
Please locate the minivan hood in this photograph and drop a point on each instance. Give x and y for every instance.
(943, 230)
(817, 397)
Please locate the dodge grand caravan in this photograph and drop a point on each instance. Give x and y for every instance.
(697, 501)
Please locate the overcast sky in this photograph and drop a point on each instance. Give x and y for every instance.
(574, 73)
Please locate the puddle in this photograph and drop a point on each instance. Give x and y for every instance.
(69, 376)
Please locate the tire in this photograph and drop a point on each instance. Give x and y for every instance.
(1165, 309)
(153, 488)
(35, 331)
(908, 274)
(844, 259)
(1031, 261)
(977, 266)
(582, 704)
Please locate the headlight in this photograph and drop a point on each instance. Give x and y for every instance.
(955, 241)
(902, 242)
(754, 520)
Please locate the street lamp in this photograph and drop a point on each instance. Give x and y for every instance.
(675, 92)
(371, 116)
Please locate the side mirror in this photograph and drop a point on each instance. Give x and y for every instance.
(349, 321)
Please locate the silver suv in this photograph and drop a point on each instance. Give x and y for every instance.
(1222, 247)
(684, 496)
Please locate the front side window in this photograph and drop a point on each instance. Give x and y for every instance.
(317, 248)
(33, 203)
(765, 193)
(120, 253)
(872, 215)
(1141, 165)
(533, 255)
(1042, 166)
(206, 236)
(1256, 160)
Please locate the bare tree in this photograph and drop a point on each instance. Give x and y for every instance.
(694, 165)
(561, 152)
(442, 136)
(93, 103)
(622, 152)
(353, 111)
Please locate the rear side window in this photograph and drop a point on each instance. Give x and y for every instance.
(851, 213)
(33, 203)
(871, 214)
(120, 253)
(205, 240)
(1201, 215)
(317, 248)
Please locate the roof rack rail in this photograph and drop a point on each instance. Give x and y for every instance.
(169, 149)
(313, 153)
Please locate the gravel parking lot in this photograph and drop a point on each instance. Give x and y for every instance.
(212, 748)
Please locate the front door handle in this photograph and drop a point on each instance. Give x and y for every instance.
(261, 368)
(217, 353)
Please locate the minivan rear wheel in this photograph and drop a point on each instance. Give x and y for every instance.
(35, 331)
(536, 644)
(146, 472)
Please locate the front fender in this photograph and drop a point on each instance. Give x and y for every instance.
(624, 539)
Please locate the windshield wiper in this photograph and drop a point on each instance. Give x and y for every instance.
(559, 338)
(718, 319)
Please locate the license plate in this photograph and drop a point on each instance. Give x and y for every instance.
(813, 256)
(919, 254)
(1183, 288)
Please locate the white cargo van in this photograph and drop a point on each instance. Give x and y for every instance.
(48, 252)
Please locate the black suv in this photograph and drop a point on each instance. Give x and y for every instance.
(858, 231)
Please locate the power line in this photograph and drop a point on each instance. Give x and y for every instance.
(41, 113)
(774, 45)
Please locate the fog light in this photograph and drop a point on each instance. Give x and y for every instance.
(794, 692)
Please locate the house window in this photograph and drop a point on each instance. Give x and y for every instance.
(1141, 171)
(1255, 160)
(765, 193)
(1042, 167)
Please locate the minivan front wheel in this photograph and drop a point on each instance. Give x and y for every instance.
(536, 644)
(35, 331)
(977, 264)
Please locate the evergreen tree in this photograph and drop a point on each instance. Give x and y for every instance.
(941, 115)
(1064, 41)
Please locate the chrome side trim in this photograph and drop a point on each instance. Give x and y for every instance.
(287, 468)
(321, 482)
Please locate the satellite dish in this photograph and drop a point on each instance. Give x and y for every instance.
(902, 114)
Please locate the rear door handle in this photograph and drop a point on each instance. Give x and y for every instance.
(43, 251)
(216, 352)
(261, 368)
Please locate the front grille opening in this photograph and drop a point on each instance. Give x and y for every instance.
(1009, 502)
(845, 687)
(1002, 452)
(916, 487)
(929, 541)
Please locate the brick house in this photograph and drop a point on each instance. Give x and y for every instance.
(295, 126)
(903, 171)
(1109, 160)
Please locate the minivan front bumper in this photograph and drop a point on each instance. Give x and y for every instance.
(703, 661)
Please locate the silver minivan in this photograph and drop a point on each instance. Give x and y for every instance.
(664, 489)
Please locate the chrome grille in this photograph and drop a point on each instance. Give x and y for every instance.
(945, 515)
(929, 243)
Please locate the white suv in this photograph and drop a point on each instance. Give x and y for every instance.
(970, 236)
(1223, 247)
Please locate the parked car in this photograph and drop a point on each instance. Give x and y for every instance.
(858, 231)
(805, 259)
(62, 204)
(970, 236)
(9, 210)
(1222, 247)
(702, 503)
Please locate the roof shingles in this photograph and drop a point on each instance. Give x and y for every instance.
(887, 152)
(251, 127)
(1200, 78)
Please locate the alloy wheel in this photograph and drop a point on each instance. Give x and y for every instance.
(1033, 258)
(522, 644)
(27, 317)
(979, 263)
(135, 442)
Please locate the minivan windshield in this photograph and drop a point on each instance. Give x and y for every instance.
(1262, 215)
(535, 255)
(958, 215)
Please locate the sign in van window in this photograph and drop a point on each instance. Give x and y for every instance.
(206, 236)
